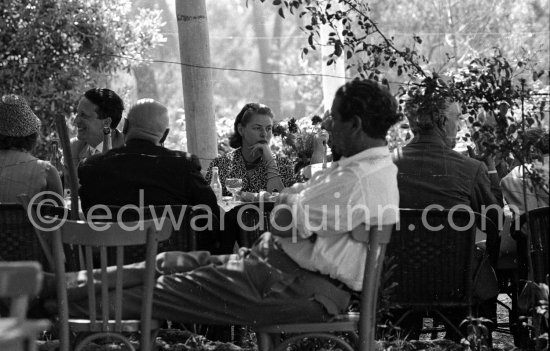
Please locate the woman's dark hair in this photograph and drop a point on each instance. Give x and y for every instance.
(26, 143)
(249, 110)
(370, 101)
(108, 103)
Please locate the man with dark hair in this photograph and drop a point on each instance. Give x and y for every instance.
(279, 280)
(98, 114)
(163, 176)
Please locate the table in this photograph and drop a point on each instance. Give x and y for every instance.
(241, 222)
(227, 204)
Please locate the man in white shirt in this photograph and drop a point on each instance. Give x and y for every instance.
(512, 183)
(356, 191)
(283, 279)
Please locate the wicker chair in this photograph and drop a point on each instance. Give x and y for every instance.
(18, 241)
(538, 249)
(434, 261)
(539, 219)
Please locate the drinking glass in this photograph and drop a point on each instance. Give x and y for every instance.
(234, 185)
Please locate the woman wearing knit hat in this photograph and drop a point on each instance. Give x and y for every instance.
(21, 172)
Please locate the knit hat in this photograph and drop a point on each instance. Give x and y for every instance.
(16, 117)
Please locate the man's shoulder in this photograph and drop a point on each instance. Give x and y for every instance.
(465, 162)
(435, 152)
(182, 156)
(95, 160)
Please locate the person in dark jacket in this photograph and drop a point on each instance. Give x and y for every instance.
(431, 173)
(143, 172)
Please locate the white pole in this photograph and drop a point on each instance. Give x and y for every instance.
(197, 79)
(333, 75)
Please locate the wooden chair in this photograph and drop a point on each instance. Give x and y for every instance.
(183, 238)
(35, 214)
(18, 240)
(434, 256)
(364, 322)
(20, 281)
(116, 235)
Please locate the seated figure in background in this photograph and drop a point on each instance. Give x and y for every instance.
(430, 172)
(252, 160)
(281, 280)
(143, 172)
(20, 171)
(512, 183)
(98, 114)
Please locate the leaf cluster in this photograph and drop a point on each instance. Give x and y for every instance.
(52, 51)
(298, 136)
(352, 34)
(499, 105)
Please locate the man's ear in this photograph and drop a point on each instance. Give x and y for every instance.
(164, 136)
(107, 122)
(357, 123)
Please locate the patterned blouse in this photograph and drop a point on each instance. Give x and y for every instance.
(232, 165)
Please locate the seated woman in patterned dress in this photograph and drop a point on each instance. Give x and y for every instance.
(252, 160)
(20, 171)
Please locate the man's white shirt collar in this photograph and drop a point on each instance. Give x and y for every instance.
(373, 152)
(96, 150)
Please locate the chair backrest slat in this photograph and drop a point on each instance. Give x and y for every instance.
(146, 311)
(92, 306)
(118, 287)
(104, 287)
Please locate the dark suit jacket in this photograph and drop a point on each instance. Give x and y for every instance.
(166, 177)
(429, 172)
(79, 152)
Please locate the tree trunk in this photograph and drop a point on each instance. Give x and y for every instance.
(270, 83)
(146, 83)
(197, 79)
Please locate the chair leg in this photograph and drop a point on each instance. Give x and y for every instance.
(450, 324)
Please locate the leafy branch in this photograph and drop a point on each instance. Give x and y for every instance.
(350, 27)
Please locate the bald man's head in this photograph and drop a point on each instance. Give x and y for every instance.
(148, 120)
